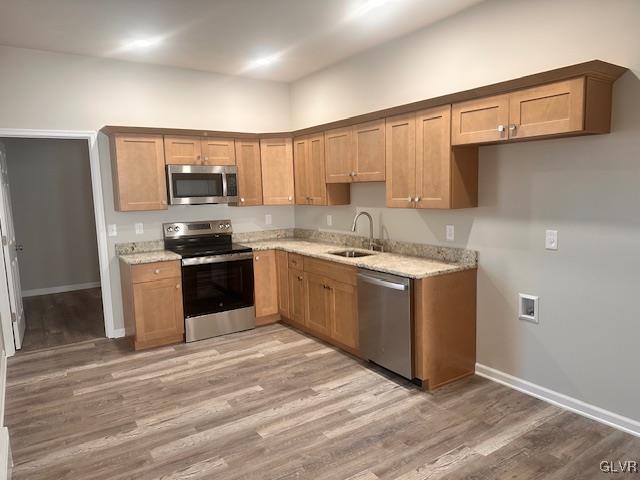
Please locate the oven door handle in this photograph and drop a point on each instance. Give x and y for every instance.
(230, 257)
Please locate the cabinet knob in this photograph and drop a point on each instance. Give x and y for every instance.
(178, 286)
(501, 128)
(242, 199)
(206, 157)
(257, 257)
(512, 128)
(417, 199)
(299, 278)
(290, 198)
(157, 271)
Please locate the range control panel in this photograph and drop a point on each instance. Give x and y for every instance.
(187, 229)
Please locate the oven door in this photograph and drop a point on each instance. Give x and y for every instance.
(198, 184)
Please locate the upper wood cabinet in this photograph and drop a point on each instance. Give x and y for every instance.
(277, 171)
(356, 153)
(249, 172)
(423, 171)
(186, 150)
(309, 167)
(139, 180)
(218, 151)
(577, 106)
(265, 283)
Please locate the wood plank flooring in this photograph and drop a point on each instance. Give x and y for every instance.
(62, 318)
(272, 403)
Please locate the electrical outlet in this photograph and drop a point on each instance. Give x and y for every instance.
(329, 220)
(528, 308)
(551, 240)
(112, 230)
(268, 220)
(139, 228)
(450, 233)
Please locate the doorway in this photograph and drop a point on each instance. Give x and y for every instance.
(53, 252)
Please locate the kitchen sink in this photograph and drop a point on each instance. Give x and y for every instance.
(351, 253)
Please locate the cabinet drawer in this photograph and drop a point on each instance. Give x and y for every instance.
(296, 261)
(149, 272)
(335, 271)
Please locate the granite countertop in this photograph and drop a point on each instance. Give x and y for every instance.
(149, 257)
(404, 265)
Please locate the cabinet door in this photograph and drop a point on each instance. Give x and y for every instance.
(301, 170)
(158, 312)
(265, 283)
(182, 150)
(296, 296)
(433, 157)
(339, 155)
(547, 110)
(317, 293)
(368, 151)
(282, 270)
(138, 169)
(401, 160)
(249, 172)
(316, 186)
(277, 171)
(344, 314)
(483, 120)
(218, 151)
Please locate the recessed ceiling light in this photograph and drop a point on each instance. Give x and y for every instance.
(142, 43)
(367, 6)
(264, 61)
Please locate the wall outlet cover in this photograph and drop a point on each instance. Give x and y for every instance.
(450, 233)
(112, 230)
(139, 228)
(551, 240)
(268, 219)
(528, 308)
(329, 220)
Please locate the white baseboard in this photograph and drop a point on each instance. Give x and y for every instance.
(118, 333)
(561, 400)
(60, 289)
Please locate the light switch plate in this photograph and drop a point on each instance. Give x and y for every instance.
(329, 220)
(450, 233)
(551, 240)
(268, 219)
(112, 230)
(139, 228)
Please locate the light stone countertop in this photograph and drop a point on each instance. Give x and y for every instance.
(412, 267)
(149, 257)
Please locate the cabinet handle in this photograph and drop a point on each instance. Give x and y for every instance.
(501, 128)
(417, 199)
(157, 271)
(299, 278)
(512, 128)
(290, 198)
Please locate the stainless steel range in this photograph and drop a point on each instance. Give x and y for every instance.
(217, 278)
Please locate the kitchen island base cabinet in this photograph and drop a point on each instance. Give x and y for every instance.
(152, 300)
(445, 328)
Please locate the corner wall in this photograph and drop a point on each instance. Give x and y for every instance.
(587, 188)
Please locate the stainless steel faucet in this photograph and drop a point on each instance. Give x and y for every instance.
(373, 244)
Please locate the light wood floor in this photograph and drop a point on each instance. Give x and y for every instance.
(62, 318)
(274, 404)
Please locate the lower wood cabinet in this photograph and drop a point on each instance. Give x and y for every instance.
(265, 286)
(296, 298)
(317, 304)
(343, 310)
(282, 271)
(152, 301)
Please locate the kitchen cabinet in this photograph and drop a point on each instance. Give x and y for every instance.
(139, 179)
(266, 286)
(309, 169)
(190, 150)
(282, 271)
(152, 301)
(356, 153)
(576, 106)
(343, 309)
(445, 327)
(249, 172)
(318, 309)
(296, 297)
(423, 171)
(277, 171)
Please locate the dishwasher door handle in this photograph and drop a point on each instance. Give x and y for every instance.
(382, 283)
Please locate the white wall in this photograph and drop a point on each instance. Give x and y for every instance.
(586, 344)
(43, 90)
(50, 183)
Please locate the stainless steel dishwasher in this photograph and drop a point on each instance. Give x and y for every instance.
(385, 313)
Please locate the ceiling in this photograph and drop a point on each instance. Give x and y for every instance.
(219, 35)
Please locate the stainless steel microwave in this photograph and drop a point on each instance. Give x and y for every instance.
(198, 184)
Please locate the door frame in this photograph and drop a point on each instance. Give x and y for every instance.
(99, 213)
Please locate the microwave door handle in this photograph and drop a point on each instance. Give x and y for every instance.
(224, 184)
